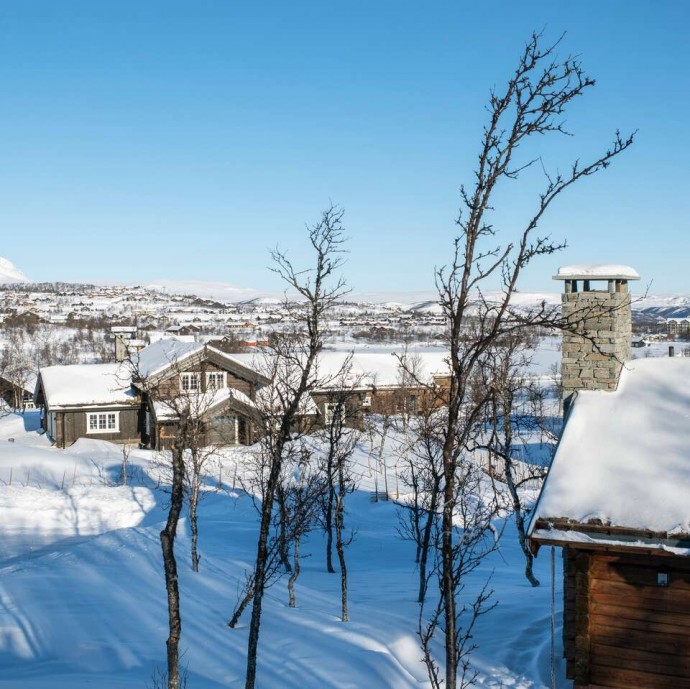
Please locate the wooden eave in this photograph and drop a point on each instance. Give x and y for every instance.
(214, 356)
(115, 406)
(235, 367)
(640, 540)
(230, 403)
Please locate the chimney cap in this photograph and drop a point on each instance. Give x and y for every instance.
(597, 271)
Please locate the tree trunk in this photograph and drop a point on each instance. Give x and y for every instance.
(329, 525)
(510, 482)
(295, 572)
(448, 586)
(167, 537)
(282, 530)
(193, 519)
(248, 598)
(426, 541)
(261, 562)
(520, 523)
(340, 548)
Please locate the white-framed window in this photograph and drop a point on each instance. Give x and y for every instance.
(215, 380)
(331, 409)
(189, 381)
(103, 422)
(366, 401)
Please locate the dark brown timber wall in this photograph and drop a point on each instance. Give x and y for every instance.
(72, 425)
(621, 628)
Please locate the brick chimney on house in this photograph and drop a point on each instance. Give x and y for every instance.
(596, 303)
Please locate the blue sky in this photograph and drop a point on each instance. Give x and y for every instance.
(182, 140)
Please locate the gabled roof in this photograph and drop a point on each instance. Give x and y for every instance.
(205, 404)
(622, 466)
(25, 381)
(85, 385)
(160, 359)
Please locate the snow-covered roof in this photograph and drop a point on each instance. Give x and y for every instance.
(270, 399)
(159, 355)
(624, 456)
(87, 384)
(202, 403)
(25, 380)
(596, 271)
(383, 368)
(380, 368)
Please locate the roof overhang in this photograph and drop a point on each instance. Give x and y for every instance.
(595, 536)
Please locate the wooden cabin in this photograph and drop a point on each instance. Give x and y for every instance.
(140, 402)
(17, 389)
(89, 400)
(616, 500)
(174, 378)
(377, 384)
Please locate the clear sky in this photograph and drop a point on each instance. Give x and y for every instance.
(146, 140)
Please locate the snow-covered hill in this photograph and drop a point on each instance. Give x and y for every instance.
(82, 600)
(9, 273)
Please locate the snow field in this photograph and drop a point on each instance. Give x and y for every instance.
(82, 598)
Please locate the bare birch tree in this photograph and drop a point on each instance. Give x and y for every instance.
(531, 105)
(340, 437)
(185, 410)
(294, 357)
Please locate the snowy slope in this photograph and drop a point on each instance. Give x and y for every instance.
(10, 273)
(82, 600)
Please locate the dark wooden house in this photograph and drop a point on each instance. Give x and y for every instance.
(89, 400)
(616, 502)
(174, 377)
(140, 401)
(17, 389)
(377, 384)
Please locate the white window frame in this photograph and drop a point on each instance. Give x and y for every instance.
(217, 376)
(329, 412)
(102, 422)
(186, 380)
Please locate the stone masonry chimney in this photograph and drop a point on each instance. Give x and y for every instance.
(596, 302)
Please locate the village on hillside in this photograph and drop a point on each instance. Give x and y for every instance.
(100, 435)
(344, 345)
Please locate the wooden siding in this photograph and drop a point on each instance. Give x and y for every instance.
(621, 629)
(170, 386)
(353, 409)
(382, 401)
(71, 425)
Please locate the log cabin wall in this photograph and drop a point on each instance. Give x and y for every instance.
(624, 627)
(72, 425)
(170, 386)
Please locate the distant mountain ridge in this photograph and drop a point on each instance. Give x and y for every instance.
(654, 306)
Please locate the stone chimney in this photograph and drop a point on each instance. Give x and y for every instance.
(596, 303)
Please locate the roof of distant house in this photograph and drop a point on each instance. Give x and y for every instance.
(381, 369)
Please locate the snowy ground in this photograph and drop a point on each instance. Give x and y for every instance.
(82, 600)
